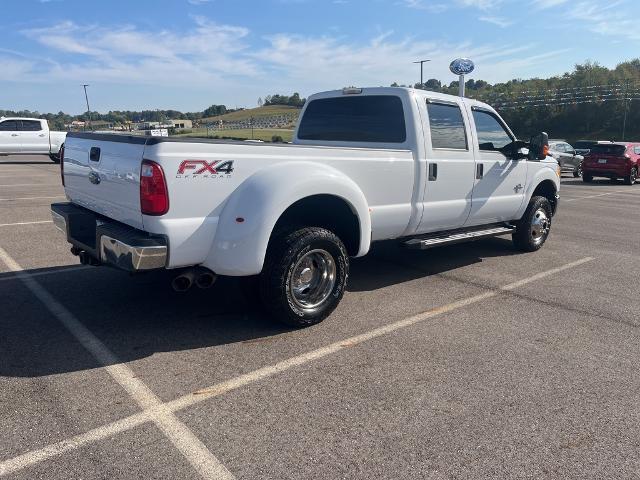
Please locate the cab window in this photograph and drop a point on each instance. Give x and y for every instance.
(370, 118)
(492, 136)
(31, 126)
(447, 126)
(9, 126)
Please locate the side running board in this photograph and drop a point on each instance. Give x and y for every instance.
(425, 243)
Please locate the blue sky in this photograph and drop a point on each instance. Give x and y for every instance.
(189, 54)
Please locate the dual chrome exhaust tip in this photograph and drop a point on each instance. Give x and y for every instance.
(200, 276)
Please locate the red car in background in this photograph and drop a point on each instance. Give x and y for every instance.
(612, 160)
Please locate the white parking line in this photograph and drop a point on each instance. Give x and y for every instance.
(599, 195)
(24, 223)
(29, 198)
(36, 456)
(200, 458)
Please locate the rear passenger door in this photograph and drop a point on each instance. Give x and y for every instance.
(450, 166)
(500, 182)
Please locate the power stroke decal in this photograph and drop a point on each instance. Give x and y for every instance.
(205, 169)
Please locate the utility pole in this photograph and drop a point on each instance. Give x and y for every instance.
(86, 97)
(422, 62)
(624, 121)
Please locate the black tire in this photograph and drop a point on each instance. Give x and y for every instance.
(577, 173)
(54, 158)
(586, 178)
(284, 255)
(632, 177)
(529, 235)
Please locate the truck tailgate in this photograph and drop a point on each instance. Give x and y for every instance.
(102, 173)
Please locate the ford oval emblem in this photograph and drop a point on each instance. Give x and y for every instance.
(461, 66)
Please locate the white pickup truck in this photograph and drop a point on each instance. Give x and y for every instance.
(29, 136)
(366, 165)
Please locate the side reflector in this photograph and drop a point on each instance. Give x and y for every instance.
(154, 198)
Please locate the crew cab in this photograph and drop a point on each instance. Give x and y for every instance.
(612, 160)
(30, 136)
(365, 165)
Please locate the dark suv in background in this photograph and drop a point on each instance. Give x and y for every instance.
(612, 160)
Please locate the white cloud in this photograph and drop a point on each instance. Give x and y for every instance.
(605, 18)
(499, 21)
(544, 4)
(226, 61)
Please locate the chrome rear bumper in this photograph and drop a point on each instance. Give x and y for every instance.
(107, 242)
(132, 257)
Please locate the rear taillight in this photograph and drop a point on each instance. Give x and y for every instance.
(154, 198)
(61, 155)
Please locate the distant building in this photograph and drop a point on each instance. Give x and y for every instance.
(181, 124)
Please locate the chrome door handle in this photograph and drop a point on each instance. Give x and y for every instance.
(14, 135)
(480, 171)
(518, 187)
(41, 135)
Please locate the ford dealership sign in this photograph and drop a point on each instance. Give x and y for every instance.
(461, 66)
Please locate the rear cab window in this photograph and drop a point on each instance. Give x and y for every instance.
(360, 119)
(31, 126)
(447, 126)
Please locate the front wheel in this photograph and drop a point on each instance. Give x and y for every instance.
(532, 230)
(304, 276)
(632, 177)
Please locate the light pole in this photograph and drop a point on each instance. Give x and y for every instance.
(624, 121)
(86, 97)
(422, 62)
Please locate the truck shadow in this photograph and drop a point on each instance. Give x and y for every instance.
(27, 162)
(136, 317)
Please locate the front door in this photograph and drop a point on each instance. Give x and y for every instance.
(500, 181)
(450, 166)
(9, 137)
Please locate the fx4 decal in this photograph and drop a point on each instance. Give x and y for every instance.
(204, 168)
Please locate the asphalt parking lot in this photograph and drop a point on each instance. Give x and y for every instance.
(468, 361)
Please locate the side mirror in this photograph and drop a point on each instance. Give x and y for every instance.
(539, 146)
(513, 150)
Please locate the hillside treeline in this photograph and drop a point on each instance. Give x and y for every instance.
(588, 102)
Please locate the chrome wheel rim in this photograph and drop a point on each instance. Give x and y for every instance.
(312, 279)
(540, 225)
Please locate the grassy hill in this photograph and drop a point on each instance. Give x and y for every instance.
(267, 111)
